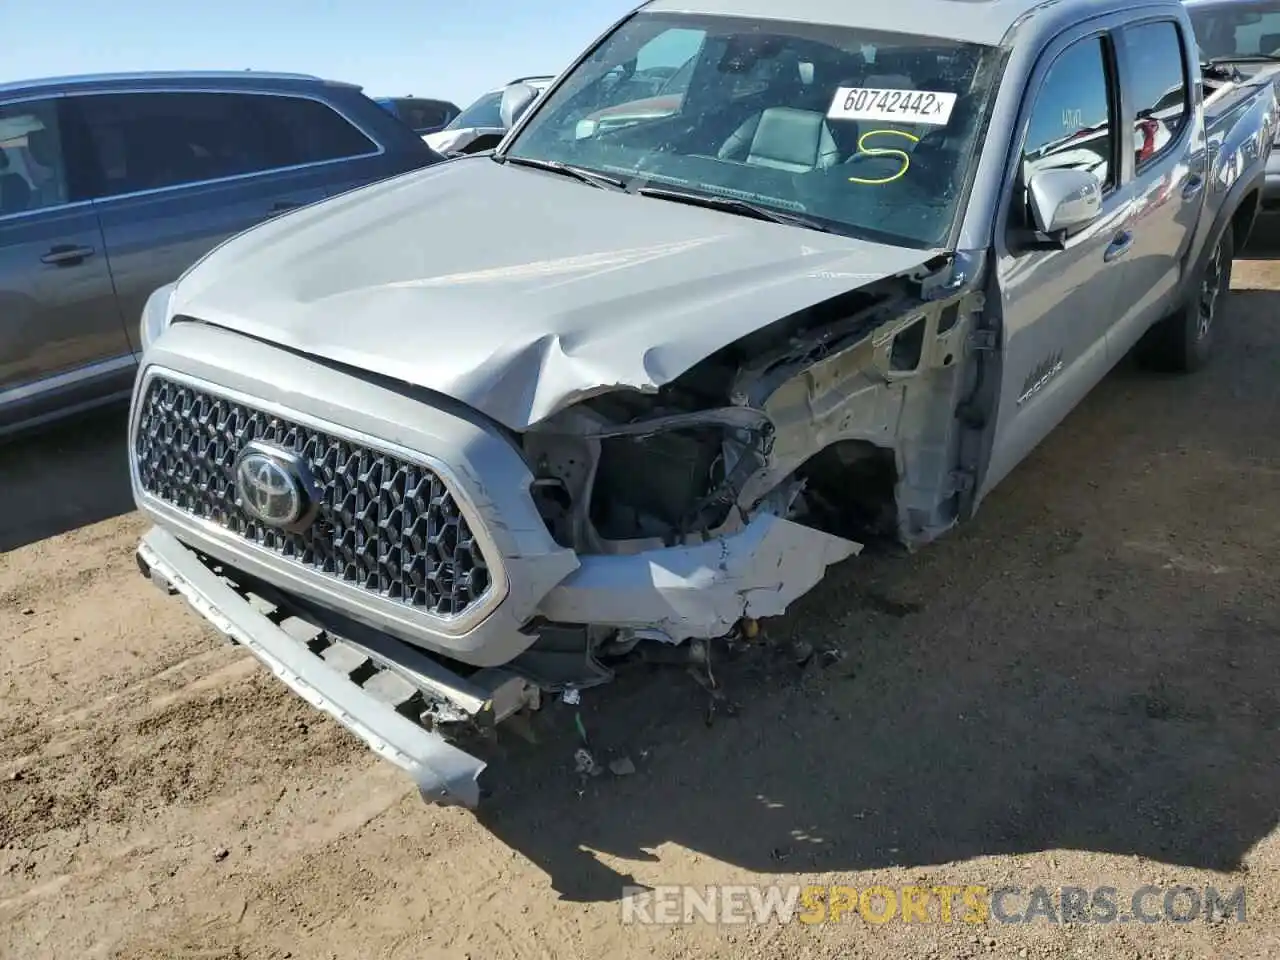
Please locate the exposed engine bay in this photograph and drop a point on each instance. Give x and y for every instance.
(807, 419)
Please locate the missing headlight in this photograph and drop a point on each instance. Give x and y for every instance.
(652, 486)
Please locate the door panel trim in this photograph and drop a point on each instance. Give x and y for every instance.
(69, 378)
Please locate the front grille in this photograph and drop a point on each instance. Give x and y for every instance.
(384, 525)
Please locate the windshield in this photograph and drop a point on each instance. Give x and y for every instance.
(485, 112)
(1237, 29)
(870, 134)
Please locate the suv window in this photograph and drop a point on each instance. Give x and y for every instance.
(1072, 123)
(423, 114)
(32, 172)
(316, 132)
(485, 112)
(1159, 82)
(147, 141)
(1236, 29)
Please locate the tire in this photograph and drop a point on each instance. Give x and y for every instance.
(1183, 341)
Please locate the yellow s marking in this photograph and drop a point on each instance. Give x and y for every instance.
(884, 152)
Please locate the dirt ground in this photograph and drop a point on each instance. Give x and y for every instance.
(1078, 688)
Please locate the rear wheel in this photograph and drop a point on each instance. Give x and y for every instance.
(1183, 341)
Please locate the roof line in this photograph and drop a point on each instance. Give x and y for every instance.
(165, 75)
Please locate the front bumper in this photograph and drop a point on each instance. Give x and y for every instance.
(377, 667)
(377, 694)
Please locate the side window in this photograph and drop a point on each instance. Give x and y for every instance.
(33, 174)
(1257, 36)
(1160, 95)
(653, 67)
(146, 141)
(314, 131)
(1072, 123)
(422, 114)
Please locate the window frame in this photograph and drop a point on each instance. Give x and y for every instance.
(1190, 89)
(1010, 224)
(73, 101)
(1115, 114)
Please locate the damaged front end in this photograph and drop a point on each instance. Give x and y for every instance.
(724, 494)
(632, 522)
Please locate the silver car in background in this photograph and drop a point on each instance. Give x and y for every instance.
(479, 126)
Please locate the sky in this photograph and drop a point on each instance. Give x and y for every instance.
(453, 49)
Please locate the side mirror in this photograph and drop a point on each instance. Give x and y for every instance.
(516, 99)
(1063, 200)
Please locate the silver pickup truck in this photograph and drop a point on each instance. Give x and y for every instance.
(834, 288)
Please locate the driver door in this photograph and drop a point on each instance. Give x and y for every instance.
(1059, 302)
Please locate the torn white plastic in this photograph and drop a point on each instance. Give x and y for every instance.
(701, 590)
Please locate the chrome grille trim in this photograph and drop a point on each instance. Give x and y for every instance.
(359, 546)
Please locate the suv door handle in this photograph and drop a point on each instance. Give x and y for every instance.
(1194, 184)
(1119, 246)
(66, 255)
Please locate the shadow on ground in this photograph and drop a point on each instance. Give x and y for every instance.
(63, 478)
(1264, 243)
(1089, 665)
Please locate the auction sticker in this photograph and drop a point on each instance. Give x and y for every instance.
(901, 106)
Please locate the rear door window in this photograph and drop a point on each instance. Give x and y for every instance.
(150, 141)
(1158, 79)
(315, 131)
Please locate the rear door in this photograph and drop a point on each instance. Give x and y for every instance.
(1059, 302)
(181, 171)
(61, 339)
(1169, 173)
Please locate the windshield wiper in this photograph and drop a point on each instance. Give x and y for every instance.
(555, 166)
(743, 208)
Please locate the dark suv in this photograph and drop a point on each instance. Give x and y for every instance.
(111, 186)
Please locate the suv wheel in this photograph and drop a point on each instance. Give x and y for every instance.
(1183, 341)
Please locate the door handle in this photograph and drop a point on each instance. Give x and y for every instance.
(1119, 246)
(1194, 184)
(66, 255)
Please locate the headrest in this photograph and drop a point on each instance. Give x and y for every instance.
(791, 139)
(40, 146)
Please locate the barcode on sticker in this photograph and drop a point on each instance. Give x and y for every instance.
(894, 106)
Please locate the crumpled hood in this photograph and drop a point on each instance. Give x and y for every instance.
(516, 291)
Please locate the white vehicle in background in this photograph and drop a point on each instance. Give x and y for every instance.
(479, 126)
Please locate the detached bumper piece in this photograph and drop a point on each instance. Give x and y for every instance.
(382, 690)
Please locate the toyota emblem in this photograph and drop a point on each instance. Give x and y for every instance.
(269, 487)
